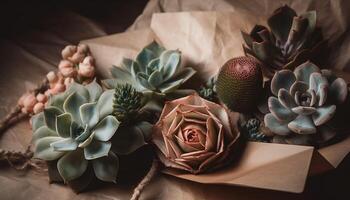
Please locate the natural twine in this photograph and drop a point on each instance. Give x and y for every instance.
(146, 180)
(21, 160)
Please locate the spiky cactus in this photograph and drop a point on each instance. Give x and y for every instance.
(127, 102)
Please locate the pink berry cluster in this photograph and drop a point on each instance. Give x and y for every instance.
(76, 66)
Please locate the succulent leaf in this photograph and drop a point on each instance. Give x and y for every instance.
(288, 41)
(63, 124)
(106, 128)
(106, 168)
(306, 108)
(50, 114)
(42, 132)
(44, 150)
(155, 69)
(38, 121)
(72, 165)
(77, 131)
(96, 149)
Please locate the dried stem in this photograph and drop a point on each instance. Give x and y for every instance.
(21, 160)
(16, 114)
(145, 181)
(13, 117)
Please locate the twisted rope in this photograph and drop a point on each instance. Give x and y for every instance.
(146, 180)
(21, 160)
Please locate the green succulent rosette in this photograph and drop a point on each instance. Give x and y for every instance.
(289, 40)
(79, 131)
(155, 70)
(304, 106)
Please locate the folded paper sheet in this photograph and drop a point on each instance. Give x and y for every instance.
(207, 40)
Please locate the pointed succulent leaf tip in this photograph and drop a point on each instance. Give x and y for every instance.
(50, 114)
(97, 149)
(281, 22)
(105, 103)
(38, 121)
(43, 149)
(72, 105)
(106, 168)
(72, 165)
(289, 41)
(95, 90)
(89, 114)
(106, 128)
(63, 124)
(323, 114)
(304, 71)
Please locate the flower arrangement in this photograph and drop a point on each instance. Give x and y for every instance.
(82, 124)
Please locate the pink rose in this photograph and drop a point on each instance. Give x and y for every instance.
(195, 135)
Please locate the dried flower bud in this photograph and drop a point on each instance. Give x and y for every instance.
(51, 77)
(83, 48)
(38, 108)
(24, 110)
(68, 51)
(21, 99)
(65, 64)
(41, 98)
(77, 57)
(89, 60)
(29, 101)
(86, 70)
(58, 88)
(47, 92)
(68, 72)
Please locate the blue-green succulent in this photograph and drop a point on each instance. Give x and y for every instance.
(304, 101)
(78, 129)
(155, 69)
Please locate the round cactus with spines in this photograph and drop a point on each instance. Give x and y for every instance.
(239, 84)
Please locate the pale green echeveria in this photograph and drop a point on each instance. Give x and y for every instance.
(303, 102)
(75, 129)
(155, 69)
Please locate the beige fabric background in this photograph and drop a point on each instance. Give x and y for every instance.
(36, 54)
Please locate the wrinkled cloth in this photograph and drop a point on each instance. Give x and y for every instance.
(38, 52)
